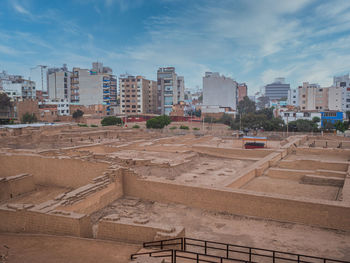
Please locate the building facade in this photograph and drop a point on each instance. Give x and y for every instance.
(137, 95)
(19, 88)
(343, 82)
(59, 85)
(313, 97)
(293, 97)
(170, 90)
(242, 91)
(219, 91)
(331, 117)
(91, 87)
(335, 98)
(288, 116)
(277, 90)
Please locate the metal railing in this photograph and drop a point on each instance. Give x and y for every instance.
(200, 250)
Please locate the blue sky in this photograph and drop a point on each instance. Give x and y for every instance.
(253, 41)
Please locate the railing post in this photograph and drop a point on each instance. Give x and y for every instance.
(227, 250)
(184, 244)
(298, 258)
(197, 258)
(173, 256)
(273, 256)
(205, 247)
(161, 244)
(250, 254)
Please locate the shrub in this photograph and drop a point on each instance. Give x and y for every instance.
(158, 122)
(111, 120)
(93, 125)
(77, 114)
(196, 129)
(173, 128)
(183, 127)
(29, 118)
(136, 126)
(82, 125)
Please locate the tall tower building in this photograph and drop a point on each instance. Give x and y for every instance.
(170, 91)
(58, 85)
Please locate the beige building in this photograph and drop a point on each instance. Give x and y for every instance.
(335, 98)
(313, 97)
(95, 86)
(137, 95)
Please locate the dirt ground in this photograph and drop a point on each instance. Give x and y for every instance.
(293, 188)
(54, 249)
(235, 229)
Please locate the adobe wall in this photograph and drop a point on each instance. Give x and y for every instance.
(130, 232)
(313, 165)
(97, 200)
(15, 185)
(329, 214)
(323, 151)
(231, 153)
(44, 223)
(52, 171)
(346, 188)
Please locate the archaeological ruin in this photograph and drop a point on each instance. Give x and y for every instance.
(83, 194)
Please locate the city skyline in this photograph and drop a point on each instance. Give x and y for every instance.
(250, 41)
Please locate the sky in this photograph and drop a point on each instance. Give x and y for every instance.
(252, 41)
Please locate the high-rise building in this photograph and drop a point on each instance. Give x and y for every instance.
(242, 91)
(89, 87)
(170, 90)
(219, 91)
(277, 90)
(313, 97)
(335, 98)
(343, 82)
(137, 95)
(58, 84)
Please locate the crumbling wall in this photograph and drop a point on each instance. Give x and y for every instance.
(15, 185)
(64, 172)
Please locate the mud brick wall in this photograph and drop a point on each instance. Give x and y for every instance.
(16, 185)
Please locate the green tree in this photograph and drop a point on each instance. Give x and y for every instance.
(341, 126)
(246, 106)
(316, 119)
(77, 114)
(302, 126)
(328, 125)
(262, 102)
(158, 122)
(111, 120)
(29, 118)
(268, 112)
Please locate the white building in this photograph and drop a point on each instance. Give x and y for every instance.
(335, 98)
(343, 82)
(219, 91)
(19, 88)
(38, 74)
(289, 116)
(62, 106)
(59, 85)
(293, 97)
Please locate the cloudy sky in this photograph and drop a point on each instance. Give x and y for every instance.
(253, 41)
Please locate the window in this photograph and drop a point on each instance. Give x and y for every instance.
(133, 106)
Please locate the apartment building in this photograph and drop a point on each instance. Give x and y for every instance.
(242, 91)
(16, 87)
(293, 97)
(137, 95)
(95, 86)
(313, 97)
(58, 85)
(335, 98)
(170, 90)
(219, 91)
(343, 82)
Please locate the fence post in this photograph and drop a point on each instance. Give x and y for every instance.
(173, 256)
(227, 251)
(161, 244)
(184, 244)
(273, 256)
(205, 247)
(197, 258)
(250, 254)
(298, 258)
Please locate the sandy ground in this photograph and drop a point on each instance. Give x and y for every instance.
(54, 249)
(239, 230)
(294, 188)
(40, 195)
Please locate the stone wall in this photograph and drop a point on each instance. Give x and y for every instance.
(13, 186)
